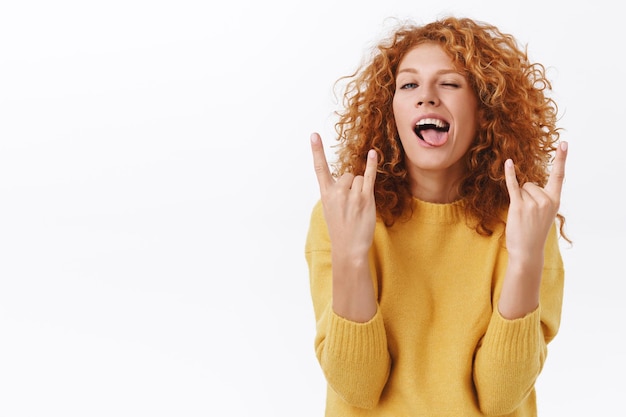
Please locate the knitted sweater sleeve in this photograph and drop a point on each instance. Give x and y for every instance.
(353, 356)
(512, 352)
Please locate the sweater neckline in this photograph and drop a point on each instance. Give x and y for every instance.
(438, 212)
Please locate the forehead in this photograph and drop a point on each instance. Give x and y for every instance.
(426, 55)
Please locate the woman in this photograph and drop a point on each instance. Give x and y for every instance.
(435, 269)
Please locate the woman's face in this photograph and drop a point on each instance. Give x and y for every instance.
(435, 110)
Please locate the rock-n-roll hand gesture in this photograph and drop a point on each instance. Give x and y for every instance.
(350, 214)
(533, 209)
(532, 212)
(349, 206)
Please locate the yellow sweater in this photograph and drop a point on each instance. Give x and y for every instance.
(437, 345)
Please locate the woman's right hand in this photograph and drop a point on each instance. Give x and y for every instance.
(349, 205)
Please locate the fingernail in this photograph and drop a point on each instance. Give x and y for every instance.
(371, 154)
(508, 163)
(314, 138)
(563, 146)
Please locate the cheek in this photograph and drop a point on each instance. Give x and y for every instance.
(470, 121)
(399, 114)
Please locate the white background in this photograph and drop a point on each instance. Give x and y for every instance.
(156, 184)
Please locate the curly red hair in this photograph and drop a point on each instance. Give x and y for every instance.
(516, 118)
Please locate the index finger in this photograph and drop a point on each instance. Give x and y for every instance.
(322, 172)
(370, 171)
(511, 180)
(557, 175)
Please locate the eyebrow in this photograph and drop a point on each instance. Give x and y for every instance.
(440, 72)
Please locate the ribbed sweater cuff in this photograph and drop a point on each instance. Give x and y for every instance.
(356, 342)
(513, 340)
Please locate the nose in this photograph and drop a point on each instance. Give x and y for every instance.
(427, 96)
(432, 102)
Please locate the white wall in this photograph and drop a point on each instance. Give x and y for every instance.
(156, 184)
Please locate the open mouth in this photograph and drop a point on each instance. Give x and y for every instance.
(432, 131)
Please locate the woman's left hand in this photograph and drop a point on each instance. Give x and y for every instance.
(532, 210)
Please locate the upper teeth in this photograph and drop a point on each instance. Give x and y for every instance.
(435, 122)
